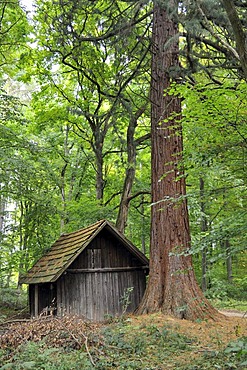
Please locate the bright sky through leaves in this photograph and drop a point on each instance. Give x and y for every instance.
(27, 4)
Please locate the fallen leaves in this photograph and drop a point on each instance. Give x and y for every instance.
(69, 332)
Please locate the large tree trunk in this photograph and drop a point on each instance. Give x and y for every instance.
(172, 286)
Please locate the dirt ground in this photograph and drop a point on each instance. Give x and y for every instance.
(216, 334)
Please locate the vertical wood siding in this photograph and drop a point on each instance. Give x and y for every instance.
(97, 295)
(105, 251)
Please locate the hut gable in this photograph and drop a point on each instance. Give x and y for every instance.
(69, 246)
(86, 273)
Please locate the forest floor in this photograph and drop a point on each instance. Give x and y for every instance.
(147, 342)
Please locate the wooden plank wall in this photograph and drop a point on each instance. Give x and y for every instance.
(111, 253)
(98, 295)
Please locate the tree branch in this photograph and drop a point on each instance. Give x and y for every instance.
(215, 35)
(239, 34)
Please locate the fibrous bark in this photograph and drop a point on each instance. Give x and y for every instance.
(172, 286)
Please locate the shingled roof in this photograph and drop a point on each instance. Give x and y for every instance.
(67, 248)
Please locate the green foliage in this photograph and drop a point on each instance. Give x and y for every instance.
(126, 299)
(12, 303)
(230, 304)
(14, 29)
(214, 123)
(38, 356)
(239, 348)
(238, 289)
(149, 346)
(14, 298)
(223, 290)
(24, 204)
(218, 290)
(232, 357)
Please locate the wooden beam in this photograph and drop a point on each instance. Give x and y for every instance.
(108, 269)
(36, 300)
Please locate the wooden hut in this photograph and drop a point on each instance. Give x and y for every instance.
(88, 273)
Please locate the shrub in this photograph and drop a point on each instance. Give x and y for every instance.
(13, 298)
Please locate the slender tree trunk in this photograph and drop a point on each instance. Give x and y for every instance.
(122, 217)
(63, 199)
(99, 175)
(172, 286)
(203, 229)
(98, 150)
(2, 212)
(23, 227)
(64, 217)
(228, 260)
(143, 227)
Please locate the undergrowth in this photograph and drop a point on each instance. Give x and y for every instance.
(122, 356)
(234, 356)
(230, 304)
(13, 302)
(145, 345)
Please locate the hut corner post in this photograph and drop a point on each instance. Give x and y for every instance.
(36, 300)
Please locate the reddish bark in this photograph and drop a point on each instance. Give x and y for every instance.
(172, 286)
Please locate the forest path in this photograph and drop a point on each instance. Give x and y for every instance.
(234, 313)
